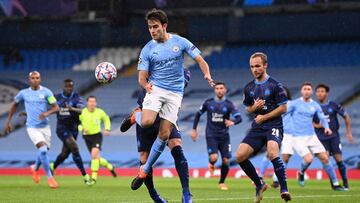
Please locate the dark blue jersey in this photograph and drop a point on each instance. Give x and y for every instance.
(331, 110)
(65, 118)
(274, 95)
(217, 112)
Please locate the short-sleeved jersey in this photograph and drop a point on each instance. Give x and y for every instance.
(302, 116)
(331, 110)
(65, 118)
(36, 102)
(274, 95)
(217, 112)
(287, 122)
(91, 121)
(165, 62)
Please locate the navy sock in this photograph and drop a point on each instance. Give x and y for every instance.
(79, 163)
(304, 167)
(149, 183)
(59, 160)
(181, 167)
(250, 171)
(280, 172)
(224, 172)
(342, 170)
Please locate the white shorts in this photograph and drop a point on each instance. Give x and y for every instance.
(40, 135)
(165, 102)
(308, 144)
(287, 144)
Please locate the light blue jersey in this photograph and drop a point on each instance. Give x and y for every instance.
(287, 123)
(165, 62)
(36, 102)
(302, 114)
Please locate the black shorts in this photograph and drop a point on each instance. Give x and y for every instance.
(146, 137)
(332, 145)
(93, 141)
(219, 144)
(257, 138)
(65, 133)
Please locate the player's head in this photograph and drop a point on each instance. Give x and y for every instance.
(258, 65)
(220, 89)
(306, 90)
(91, 102)
(68, 86)
(34, 79)
(157, 23)
(322, 92)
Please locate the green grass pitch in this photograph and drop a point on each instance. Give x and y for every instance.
(112, 190)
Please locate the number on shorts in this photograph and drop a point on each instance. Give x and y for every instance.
(275, 132)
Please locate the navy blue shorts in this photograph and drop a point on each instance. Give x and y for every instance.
(146, 137)
(257, 138)
(332, 145)
(219, 144)
(64, 133)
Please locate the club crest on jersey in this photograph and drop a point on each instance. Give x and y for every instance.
(330, 110)
(267, 92)
(41, 96)
(224, 109)
(175, 48)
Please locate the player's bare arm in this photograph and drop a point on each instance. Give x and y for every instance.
(54, 108)
(275, 113)
(11, 114)
(205, 69)
(348, 128)
(143, 76)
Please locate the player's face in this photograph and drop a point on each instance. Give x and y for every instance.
(68, 88)
(220, 91)
(91, 103)
(157, 30)
(34, 80)
(258, 68)
(306, 91)
(321, 94)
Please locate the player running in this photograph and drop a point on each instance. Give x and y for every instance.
(161, 73)
(264, 97)
(306, 143)
(219, 109)
(70, 104)
(145, 139)
(91, 118)
(332, 142)
(36, 99)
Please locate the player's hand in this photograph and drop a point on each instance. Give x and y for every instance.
(260, 119)
(69, 107)
(43, 115)
(148, 87)
(85, 131)
(8, 127)
(259, 104)
(106, 132)
(194, 135)
(210, 80)
(317, 125)
(350, 137)
(328, 131)
(229, 123)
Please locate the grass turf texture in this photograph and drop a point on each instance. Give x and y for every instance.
(111, 190)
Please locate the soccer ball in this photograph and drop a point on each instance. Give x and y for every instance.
(105, 72)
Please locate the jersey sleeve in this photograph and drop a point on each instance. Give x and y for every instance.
(50, 97)
(198, 115)
(320, 114)
(235, 113)
(247, 101)
(340, 110)
(144, 61)
(106, 119)
(280, 94)
(190, 48)
(290, 106)
(19, 97)
(80, 102)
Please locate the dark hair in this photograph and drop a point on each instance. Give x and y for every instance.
(220, 83)
(157, 14)
(327, 88)
(306, 84)
(90, 97)
(261, 55)
(68, 80)
(288, 93)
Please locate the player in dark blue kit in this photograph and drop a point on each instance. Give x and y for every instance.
(266, 98)
(70, 104)
(332, 142)
(145, 139)
(219, 110)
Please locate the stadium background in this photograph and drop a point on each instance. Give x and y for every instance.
(314, 40)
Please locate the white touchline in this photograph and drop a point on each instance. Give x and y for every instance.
(247, 198)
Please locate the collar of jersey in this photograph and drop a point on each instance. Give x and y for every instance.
(40, 88)
(259, 83)
(219, 101)
(170, 36)
(327, 103)
(65, 97)
(302, 99)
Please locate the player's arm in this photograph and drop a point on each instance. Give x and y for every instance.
(316, 122)
(11, 114)
(204, 69)
(236, 117)
(341, 111)
(198, 114)
(323, 120)
(79, 106)
(143, 81)
(54, 107)
(107, 123)
(274, 113)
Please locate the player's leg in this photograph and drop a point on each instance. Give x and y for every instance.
(225, 151)
(337, 154)
(301, 146)
(181, 164)
(64, 154)
(95, 162)
(212, 149)
(263, 166)
(324, 159)
(131, 119)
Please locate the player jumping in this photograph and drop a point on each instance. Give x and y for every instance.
(332, 142)
(70, 104)
(36, 99)
(266, 98)
(219, 109)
